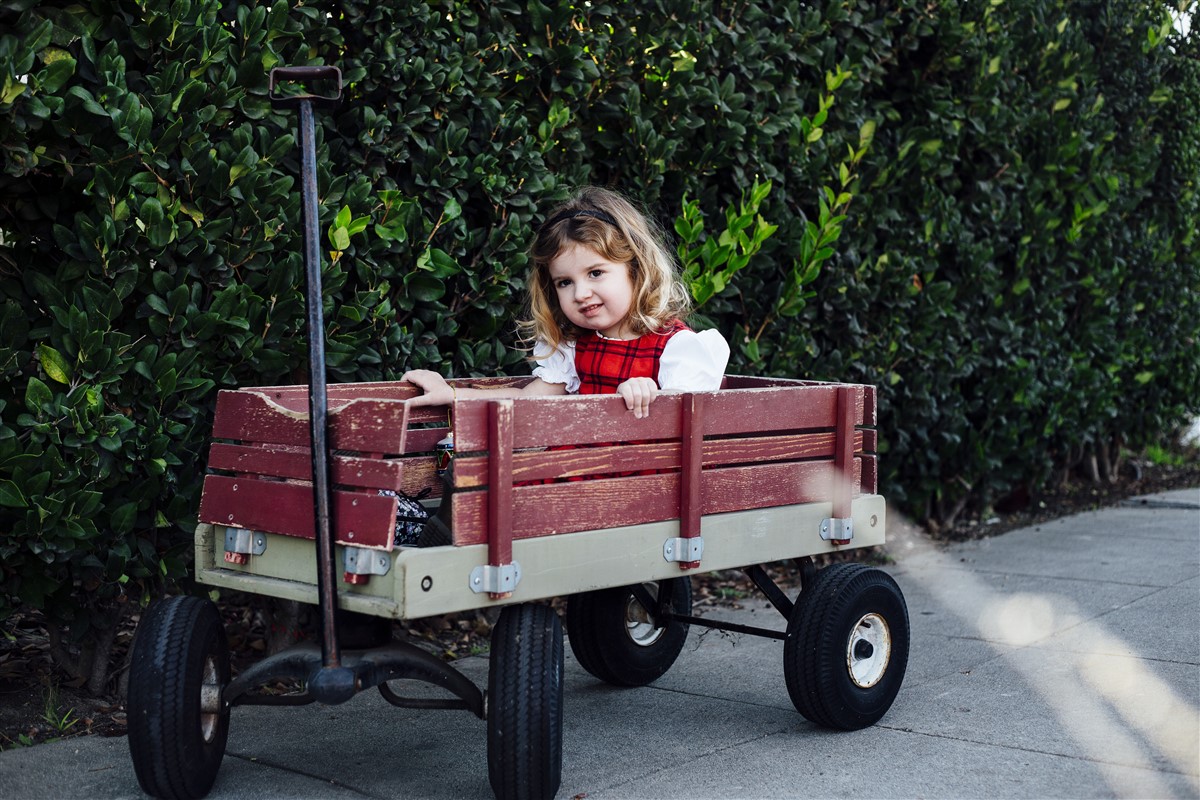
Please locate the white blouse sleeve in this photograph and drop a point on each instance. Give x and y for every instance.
(693, 362)
(558, 365)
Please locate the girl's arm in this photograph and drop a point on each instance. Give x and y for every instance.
(439, 393)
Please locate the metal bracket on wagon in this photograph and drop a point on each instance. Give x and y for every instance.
(684, 549)
(362, 563)
(837, 530)
(240, 544)
(495, 580)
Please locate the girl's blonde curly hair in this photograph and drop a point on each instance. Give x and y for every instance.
(634, 240)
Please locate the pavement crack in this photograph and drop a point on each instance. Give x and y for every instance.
(723, 699)
(313, 776)
(1009, 573)
(707, 754)
(1018, 748)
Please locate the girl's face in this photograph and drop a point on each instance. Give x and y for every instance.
(594, 293)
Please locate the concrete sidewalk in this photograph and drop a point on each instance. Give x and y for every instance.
(1056, 661)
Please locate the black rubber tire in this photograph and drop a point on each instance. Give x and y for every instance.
(176, 749)
(603, 640)
(819, 634)
(524, 704)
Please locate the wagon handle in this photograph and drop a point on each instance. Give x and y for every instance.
(333, 683)
(282, 75)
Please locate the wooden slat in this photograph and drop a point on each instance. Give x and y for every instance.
(584, 505)
(295, 398)
(783, 447)
(360, 519)
(552, 421)
(471, 471)
(410, 475)
(573, 419)
(773, 409)
(370, 425)
(287, 461)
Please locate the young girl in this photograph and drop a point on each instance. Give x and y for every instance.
(606, 313)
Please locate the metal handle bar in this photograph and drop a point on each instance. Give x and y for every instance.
(280, 75)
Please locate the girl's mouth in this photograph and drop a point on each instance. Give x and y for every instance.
(591, 310)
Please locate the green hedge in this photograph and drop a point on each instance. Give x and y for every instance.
(987, 209)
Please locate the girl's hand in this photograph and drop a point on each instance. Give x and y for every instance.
(639, 393)
(437, 391)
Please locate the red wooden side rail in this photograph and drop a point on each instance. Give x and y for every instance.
(756, 443)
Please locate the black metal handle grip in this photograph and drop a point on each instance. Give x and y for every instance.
(280, 75)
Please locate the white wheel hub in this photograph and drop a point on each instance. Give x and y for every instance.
(868, 650)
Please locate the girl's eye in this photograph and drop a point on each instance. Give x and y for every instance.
(596, 273)
(562, 283)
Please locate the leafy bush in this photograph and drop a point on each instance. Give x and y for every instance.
(987, 209)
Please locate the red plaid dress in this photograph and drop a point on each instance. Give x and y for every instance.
(604, 364)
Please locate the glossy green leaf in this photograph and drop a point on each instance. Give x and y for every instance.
(54, 364)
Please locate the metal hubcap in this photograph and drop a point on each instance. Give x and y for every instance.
(868, 650)
(210, 700)
(639, 624)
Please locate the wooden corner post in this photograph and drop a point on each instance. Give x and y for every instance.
(502, 574)
(690, 495)
(840, 528)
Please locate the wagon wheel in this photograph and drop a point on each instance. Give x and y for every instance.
(524, 702)
(846, 647)
(177, 721)
(618, 640)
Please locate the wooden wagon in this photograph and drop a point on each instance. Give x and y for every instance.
(547, 497)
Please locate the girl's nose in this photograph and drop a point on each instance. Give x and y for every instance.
(582, 291)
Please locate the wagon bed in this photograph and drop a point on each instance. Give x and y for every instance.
(543, 502)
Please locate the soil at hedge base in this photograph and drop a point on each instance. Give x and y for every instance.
(39, 704)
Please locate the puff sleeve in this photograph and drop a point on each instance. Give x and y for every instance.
(693, 362)
(557, 365)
